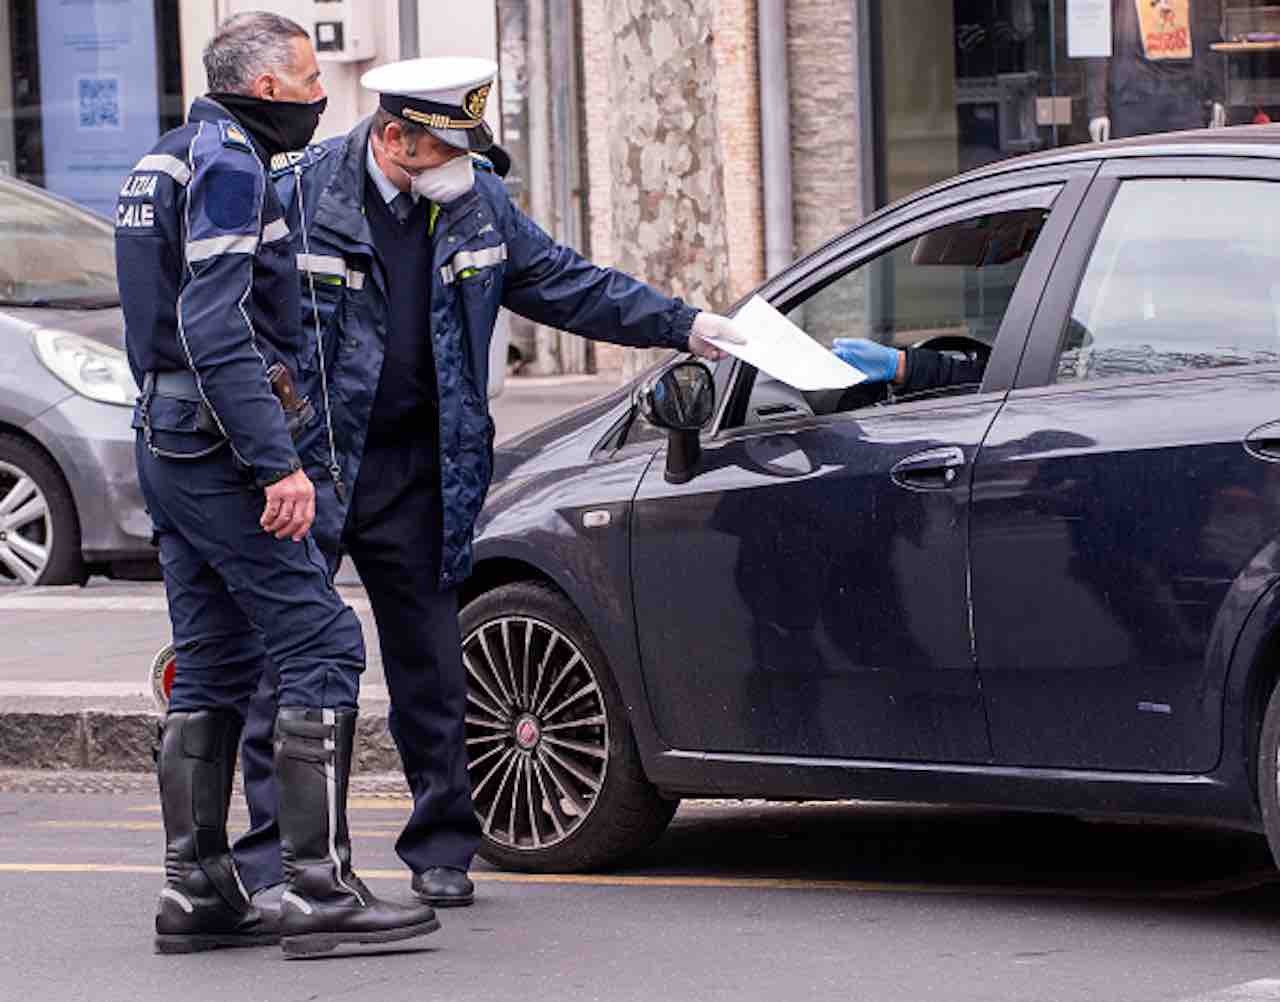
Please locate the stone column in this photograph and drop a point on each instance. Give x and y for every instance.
(667, 189)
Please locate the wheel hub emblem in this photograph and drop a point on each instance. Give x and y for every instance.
(528, 733)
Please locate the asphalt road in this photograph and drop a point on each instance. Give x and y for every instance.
(750, 902)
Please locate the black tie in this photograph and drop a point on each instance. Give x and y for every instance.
(402, 205)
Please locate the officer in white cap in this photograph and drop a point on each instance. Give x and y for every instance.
(409, 245)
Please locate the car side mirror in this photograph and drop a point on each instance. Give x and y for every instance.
(681, 399)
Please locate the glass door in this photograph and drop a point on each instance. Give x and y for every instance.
(957, 84)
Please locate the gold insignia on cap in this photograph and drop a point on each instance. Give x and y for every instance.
(475, 100)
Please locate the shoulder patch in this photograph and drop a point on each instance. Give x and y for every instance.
(234, 136)
(230, 198)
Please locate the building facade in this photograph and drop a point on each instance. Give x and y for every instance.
(700, 144)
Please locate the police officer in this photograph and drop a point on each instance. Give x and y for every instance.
(206, 262)
(411, 244)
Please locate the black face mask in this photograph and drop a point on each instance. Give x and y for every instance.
(276, 126)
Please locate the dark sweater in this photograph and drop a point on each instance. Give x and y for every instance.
(404, 408)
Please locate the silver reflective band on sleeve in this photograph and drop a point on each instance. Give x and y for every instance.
(275, 231)
(328, 266)
(322, 264)
(201, 250)
(463, 260)
(165, 164)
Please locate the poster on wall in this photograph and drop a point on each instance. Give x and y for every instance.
(99, 95)
(1088, 29)
(1166, 28)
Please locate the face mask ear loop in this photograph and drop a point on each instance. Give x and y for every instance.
(335, 471)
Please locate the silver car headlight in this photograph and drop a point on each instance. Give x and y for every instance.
(91, 368)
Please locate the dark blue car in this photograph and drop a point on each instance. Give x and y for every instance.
(1053, 589)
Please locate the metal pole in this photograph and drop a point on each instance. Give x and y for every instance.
(775, 134)
(409, 29)
(541, 204)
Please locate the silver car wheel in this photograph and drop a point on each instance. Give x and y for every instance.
(537, 732)
(26, 526)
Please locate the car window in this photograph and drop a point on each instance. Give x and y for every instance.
(53, 253)
(947, 289)
(1183, 276)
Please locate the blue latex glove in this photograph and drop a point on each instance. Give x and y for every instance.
(880, 364)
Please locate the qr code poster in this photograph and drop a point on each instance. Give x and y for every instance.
(98, 103)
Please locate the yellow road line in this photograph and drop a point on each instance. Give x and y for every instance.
(157, 826)
(1209, 889)
(353, 803)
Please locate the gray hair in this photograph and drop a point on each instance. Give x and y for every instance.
(247, 45)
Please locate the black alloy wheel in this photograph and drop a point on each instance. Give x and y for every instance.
(555, 774)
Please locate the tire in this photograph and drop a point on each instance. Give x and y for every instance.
(544, 717)
(39, 528)
(1269, 773)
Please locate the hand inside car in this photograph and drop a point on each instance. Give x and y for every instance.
(878, 363)
(707, 326)
(290, 507)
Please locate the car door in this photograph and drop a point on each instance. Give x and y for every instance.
(806, 592)
(1127, 489)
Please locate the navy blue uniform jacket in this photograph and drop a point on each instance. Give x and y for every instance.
(208, 283)
(486, 254)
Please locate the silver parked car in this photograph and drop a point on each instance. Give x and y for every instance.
(70, 504)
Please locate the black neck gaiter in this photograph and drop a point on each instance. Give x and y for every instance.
(276, 126)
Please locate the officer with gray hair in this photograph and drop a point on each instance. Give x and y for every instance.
(209, 286)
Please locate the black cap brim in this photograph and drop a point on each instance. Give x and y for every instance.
(477, 140)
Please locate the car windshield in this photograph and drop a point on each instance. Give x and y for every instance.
(52, 254)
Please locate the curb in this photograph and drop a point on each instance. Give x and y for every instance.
(98, 740)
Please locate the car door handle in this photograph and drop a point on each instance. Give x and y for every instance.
(1264, 442)
(933, 469)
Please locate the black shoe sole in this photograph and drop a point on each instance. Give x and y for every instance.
(168, 943)
(455, 901)
(322, 942)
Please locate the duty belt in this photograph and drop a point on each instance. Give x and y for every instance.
(179, 384)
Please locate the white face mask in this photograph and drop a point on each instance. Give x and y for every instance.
(445, 183)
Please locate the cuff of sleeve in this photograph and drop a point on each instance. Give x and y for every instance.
(265, 478)
(680, 324)
(920, 372)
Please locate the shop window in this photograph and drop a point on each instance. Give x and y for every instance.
(1184, 275)
(86, 88)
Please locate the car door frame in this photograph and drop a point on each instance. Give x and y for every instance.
(683, 771)
(1228, 790)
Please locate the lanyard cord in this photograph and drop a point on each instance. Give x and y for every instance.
(335, 471)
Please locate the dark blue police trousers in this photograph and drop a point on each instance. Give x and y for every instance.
(392, 535)
(240, 599)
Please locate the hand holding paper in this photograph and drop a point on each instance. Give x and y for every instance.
(773, 344)
(708, 328)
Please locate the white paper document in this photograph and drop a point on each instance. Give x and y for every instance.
(775, 345)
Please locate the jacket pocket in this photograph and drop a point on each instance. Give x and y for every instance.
(177, 429)
(480, 293)
(332, 283)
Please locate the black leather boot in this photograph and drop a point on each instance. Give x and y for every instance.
(203, 905)
(325, 904)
